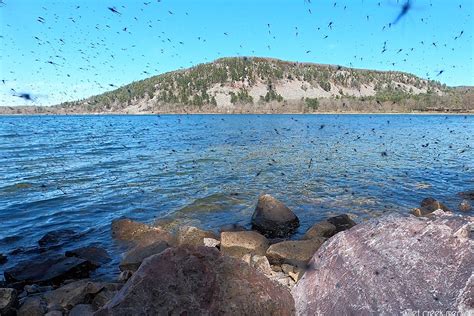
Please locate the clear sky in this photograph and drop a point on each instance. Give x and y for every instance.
(91, 48)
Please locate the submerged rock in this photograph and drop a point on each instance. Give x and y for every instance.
(321, 229)
(50, 271)
(469, 195)
(390, 265)
(238, 244)
(3, 259)
(342, 222)
(273, 218)
(57, 237)
(294, 252)
(193, 236)
(95, 255)
(198, 281)
(232, 228)
(428, 206)
(135, 257)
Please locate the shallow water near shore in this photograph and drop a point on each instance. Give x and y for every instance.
(81, 172)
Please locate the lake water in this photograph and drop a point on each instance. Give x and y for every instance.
(81, 172)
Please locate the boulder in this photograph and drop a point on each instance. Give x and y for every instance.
(321, 229)
(82, 310)
(71, 294)
(50, 271)
(294, 252)
(391, 265)
(428, 206)
(465, 206)
(32, 306)
(258, 262)
(95, 255)
(237, 244)
(125, 229)
(54, 313)
(273, 218)
(342, 222)
(7, 300)
(135, 257)
(198, 281)
(193, 236)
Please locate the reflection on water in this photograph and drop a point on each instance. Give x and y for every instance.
(80, 172)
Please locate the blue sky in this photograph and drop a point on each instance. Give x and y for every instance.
(92, 48)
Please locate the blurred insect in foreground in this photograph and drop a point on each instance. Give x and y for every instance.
(24, 95)
(405, 8)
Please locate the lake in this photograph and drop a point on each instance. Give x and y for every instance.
(81, 172)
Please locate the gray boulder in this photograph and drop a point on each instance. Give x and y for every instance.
(391, 265)
(198, 281)
(32, 306)
(273, 219)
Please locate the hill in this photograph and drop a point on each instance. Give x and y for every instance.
(264, 85)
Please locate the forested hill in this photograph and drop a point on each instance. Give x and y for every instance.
(263, 85)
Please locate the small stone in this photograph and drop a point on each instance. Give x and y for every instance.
(7, 299)
(276, 268)
(297, 274)
(321, 229)
(82, 310)
(247, 258)
(32, 306)
(465, 206)
(211, 242)
(237, 244)
(428, 206)
(261, 264)
(125, 275)
(287, 268)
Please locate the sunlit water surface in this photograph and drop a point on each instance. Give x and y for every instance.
(81, 172)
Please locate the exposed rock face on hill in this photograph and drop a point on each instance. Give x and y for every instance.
(390, 265)
(263, 85)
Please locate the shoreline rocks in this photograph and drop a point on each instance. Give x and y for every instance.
(273, 219)
(187, 269)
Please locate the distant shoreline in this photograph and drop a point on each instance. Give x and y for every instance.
(220, 113)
